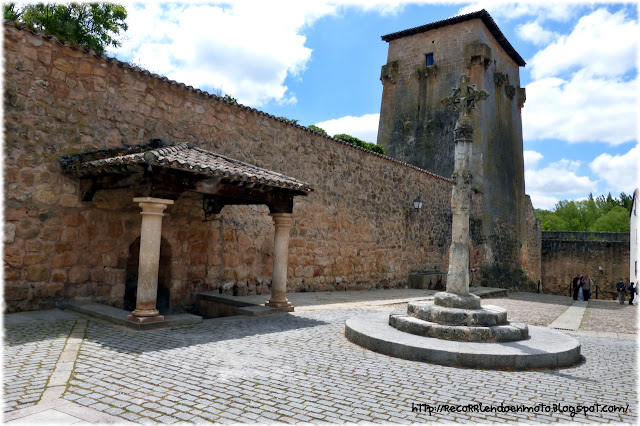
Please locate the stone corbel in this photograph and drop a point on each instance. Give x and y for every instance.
(499, 78)
(522, 96)
(479, 53)
(427, 71)
(510, 91)
(389, 72)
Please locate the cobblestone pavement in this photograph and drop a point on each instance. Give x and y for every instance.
(300, 368)
(31, 351)
(610, 315)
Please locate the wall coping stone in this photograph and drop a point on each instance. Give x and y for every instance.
(586, 236)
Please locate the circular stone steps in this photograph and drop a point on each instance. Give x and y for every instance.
(542, 349)
(496, 333)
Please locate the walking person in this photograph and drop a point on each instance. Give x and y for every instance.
(621, 290)
(586, 288)
(576, 286)
(632, 292)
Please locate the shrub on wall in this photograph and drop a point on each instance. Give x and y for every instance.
(366, 145)
(318, 129)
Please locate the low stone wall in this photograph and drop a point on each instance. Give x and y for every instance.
(566, 254)
(356, 230)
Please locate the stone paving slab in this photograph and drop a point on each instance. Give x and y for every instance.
(571, 318)
(119, 316)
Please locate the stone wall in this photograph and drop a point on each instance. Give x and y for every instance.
(566, 254)
(532, 261)
(415, 127)
(356, 230)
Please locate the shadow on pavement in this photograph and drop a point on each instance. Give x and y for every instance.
(213, 330)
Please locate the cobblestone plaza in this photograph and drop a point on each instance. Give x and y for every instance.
(299, 368)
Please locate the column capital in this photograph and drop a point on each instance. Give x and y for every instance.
(153, 200)
(282, 219)
(152, 206)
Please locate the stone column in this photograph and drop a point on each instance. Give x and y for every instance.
(149, 263)
(283, 222)
(458, 274)
(463, 99)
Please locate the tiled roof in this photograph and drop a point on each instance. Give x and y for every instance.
(185, 157)
(482, 14)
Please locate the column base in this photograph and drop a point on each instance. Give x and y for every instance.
(142, 320)
(281, 305)
(145, 312)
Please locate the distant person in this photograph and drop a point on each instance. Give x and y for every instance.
(621, 290)
(632, 292)
(586, 288)
(576, 286)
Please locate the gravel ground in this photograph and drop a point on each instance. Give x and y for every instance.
(532, 308)
(609, 315)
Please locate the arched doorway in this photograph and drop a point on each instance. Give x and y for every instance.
(164, 277)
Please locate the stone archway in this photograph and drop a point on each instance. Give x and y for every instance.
(164, 277)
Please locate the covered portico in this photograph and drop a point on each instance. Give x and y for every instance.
(158, 173)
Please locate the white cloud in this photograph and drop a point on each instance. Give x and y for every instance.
(542, 201)
(364, 127)
(601, 43)
(505, 9)
(596, 101)
(535, 33)
(582, 109)
(621, 172)
(248, 48)
(531, 159)
(557, 181)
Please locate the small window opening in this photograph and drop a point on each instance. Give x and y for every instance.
(429, 57)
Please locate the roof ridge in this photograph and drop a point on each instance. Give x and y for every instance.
(482, 14)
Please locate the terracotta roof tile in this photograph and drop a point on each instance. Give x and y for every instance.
(186, 157)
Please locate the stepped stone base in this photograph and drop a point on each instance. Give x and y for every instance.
(487, 316)
(440, 320)
(497, 333)
(543, 349)
(451, 300)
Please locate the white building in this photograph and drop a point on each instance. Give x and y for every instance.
(633, 238)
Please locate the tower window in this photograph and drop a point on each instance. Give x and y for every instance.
(429, 57)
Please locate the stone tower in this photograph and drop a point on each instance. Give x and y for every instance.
(423, 65)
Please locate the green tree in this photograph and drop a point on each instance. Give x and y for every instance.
(600, 214)
(366, 145)
(93, 25)
(615, 220)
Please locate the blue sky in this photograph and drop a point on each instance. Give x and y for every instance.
(318, 61)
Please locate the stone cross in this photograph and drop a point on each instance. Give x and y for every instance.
(463, 99)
